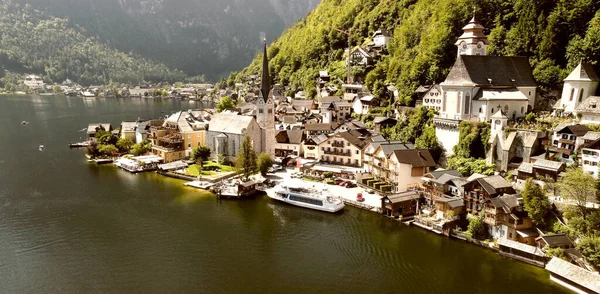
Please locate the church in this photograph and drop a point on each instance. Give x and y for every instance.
(480, 87)
(227, 131)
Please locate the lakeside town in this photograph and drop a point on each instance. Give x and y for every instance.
(493, 170)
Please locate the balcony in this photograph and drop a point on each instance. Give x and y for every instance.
(567, 141)
(339, 163)
(560, 150)
(338, 144)
(338, 152)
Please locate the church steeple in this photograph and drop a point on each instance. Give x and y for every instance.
(265, 86)
(473, 41)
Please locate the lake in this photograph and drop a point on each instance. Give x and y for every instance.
(68, 226)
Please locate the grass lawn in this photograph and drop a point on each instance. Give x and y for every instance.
(194, 169)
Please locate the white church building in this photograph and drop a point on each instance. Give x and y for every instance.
(478, 86)
(581, 83)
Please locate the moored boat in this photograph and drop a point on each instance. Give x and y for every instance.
(312, 198)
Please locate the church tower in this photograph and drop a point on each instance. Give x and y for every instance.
(265, 107)
(473, 41)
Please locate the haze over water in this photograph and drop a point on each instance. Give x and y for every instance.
(67, 226)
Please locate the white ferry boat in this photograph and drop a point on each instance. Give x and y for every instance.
(306, 197)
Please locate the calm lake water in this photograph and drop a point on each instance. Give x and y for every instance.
(67, 226)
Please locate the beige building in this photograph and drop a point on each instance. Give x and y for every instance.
(345, 148)
(179, 135)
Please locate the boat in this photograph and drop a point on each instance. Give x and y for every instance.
(312, 198)
(41, 148)
(24, 122)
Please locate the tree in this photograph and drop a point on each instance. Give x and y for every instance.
(428, 140)
(246, 159)
(107, 150)
(556, 252)
(225, 103)
(56, 89)
(476, 227)
(579, 187)
(200, 154)
(125, 144)
(141, 148)
(92, 150)
(265, 162)
(590, 249)
(469, 166)
(535, 203)
(106, 138)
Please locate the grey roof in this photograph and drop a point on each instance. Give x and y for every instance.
(492, 183)
(380, 119)
(520, 246)
(93, 128)
(583, 72)
(127, 126)
(353, 139)
(322, 127)
(574, 274)
(501, 70)
(453, 202)
(173, 165)
(439, 172)
(591, 136)
(229, 123)
(590, 105)
(444, 179)
(548, 164)
(291, 136)
(404, 196)
(526, 167)
(556, 240)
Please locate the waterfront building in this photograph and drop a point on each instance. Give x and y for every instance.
(478, 190)
(226, 132)
(506, 219)
(579, 85)
(344, 148)
(179, 134)
(573, 277)
(400, 205)
(442, 184)
(93, 129)
(128, 130)
(34, 82)
(479, 85)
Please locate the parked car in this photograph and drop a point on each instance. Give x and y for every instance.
(297, 175)
(369, 191)
(349, 185)
(275, 168)
(338, 181)
(359, 197)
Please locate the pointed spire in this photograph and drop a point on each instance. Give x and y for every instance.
(265, 86)
(474, 13)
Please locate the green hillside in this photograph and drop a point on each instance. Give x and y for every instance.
(555, 35)
(32, 41)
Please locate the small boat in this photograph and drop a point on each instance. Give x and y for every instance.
(41, 148)
(306, 197)
(24, 122)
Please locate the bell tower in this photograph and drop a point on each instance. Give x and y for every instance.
(266, 108)
(473, 41)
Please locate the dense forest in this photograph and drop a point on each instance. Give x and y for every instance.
(196, 36)
(31, 41)
(555, 35)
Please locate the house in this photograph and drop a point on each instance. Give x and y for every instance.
(479, 85)
(334, 109)
(579, 85)
(289, 143)
(506, 219)
(351, 91)
(567, 139)
(93, 129)
(432, 97)
(523, 252)
(311, 146)
(363, 104)
(554, 241)
(345, 148)
(540, 169)
(128, 130)
(380, 39)
(589, 110)
(442, 184)
(573, 277)
(34, 82)
(480, 189)
(510, 148)
(383, 122)
(178, 135)
(590, 157)
(321, 128)
(400, 205)
(360, 57)
(304, 106)
(226, 132)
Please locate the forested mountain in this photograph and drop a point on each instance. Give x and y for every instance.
(34, 42)
(196, 36)
(554, 34)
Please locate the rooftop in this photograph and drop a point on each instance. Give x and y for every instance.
(574, 274)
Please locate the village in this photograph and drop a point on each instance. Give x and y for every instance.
(530, 193)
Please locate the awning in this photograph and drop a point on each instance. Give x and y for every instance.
(173, 165)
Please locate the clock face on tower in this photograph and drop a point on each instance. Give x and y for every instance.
(464, 46)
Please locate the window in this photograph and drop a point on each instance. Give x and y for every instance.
(261, 111)
(571, 95)
(581, 95)
(467, 109)
(510, 235)
(492, 110)
(270, 111)
(357, 152)
(522, 109)
(506, 108)
(189, 145)
(479, 109)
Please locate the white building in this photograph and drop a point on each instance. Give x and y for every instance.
(34, 82)
(579, 85)
(479, 85)
(381, 38)
(590, 158)
(589, 110)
